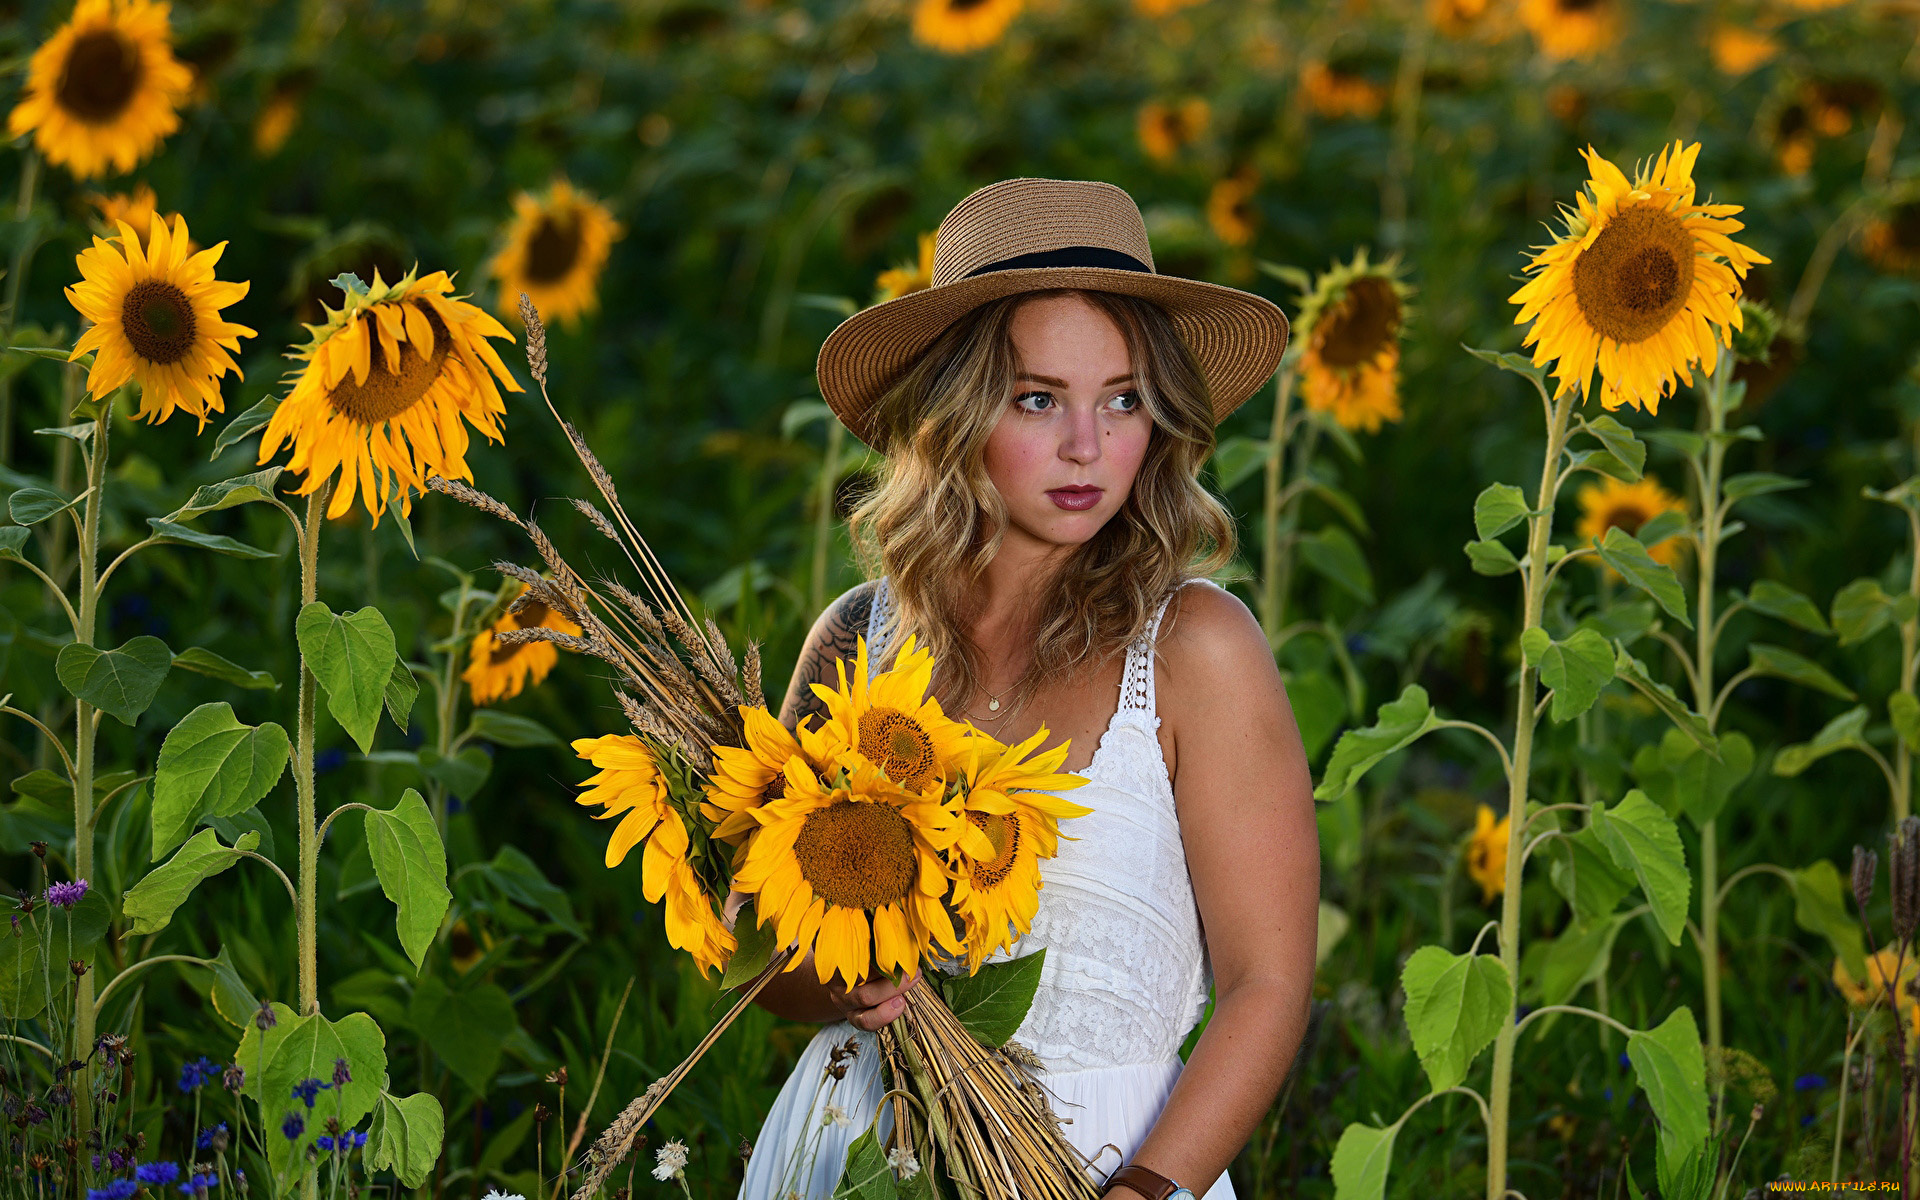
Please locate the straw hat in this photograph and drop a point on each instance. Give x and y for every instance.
(1022, 235)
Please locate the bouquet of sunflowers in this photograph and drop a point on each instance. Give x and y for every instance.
(886, 837)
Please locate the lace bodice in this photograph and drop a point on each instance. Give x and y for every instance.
(1126, 975)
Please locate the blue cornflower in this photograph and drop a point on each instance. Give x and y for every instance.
(307, 1089)
(206, 1135)
(1809, 1083)
(324, 1142)
(157, 1172)
(359, 1137)
(199, 1185)
(330, 759)
(194, 1074)
(119, 1189)
(293, 1126)
(1625, 1062)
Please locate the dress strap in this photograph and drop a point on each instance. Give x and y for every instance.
(1136, 686)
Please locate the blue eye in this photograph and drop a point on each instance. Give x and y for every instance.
(1025, 396)
(1133, 398)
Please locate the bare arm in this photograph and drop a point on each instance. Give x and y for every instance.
(798, 995)
(1244, 797)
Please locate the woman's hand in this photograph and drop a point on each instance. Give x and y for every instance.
(873, 1003)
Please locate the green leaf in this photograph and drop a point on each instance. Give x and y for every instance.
(1397, 725)
(1519, 364)
(1361, 1160)
(1645, 841)
(405, 1136)
(466, 1029)
(151, 903)
(231, 997)
(245, 425)
(1627, 619)
(120, 683)
(1334, 554)
(13, 539)
(993, 1001)
(1583, 872)
(1602, 462)
(1236, 459)
(352, 656)
(1673, 1072)
(1845, 732)
(505, 729)
(1553, 969)
(1456, 1003)
(1757, 483)
(241, 489)
(1625, 554)
(411, 863)
(1688, 443)
(1783, 603)
(1576, 669)
(754, 951)
(401, 691)
(202, 661)
(1781, 663)
(866, 1175)
(1631, 669)
(1683, 778)
(1489, 558)
(167, 531)
(521, 879)
(299, 1048)
(212, 765)
(1497, 509)
(1621, 443)
(32, 505)
(1660, 527)
(73, 934)
(1904, 711)
(462, 774)
(1863, 608)
(1820, 906)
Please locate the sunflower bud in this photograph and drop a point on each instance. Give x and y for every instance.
(1866, 865)
(1903, 872)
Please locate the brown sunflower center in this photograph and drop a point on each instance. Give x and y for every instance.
(1364, 323)
(1580, 6)
(553, 248)
(1629, 517)
(387, 393)
(158, 319)
(1636, 275)
(895, 742)
(776, 788)
(857, 854)
(1003, 832)
(963, 6)
(101, 75)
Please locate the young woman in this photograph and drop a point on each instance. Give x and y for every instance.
(1045, 409)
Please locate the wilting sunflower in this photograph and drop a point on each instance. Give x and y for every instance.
(1892, 239)
(556, 247)
(1164, 129)
(156, 320)
(496, 672)
(389, 378)
(1010, 800)
(1736, 49)
(746, 778)
(1487, 853)
(1351, 324)
(1615, 502)
(103, 90)
(1565, 29)
(957, 26)
(631, 787)
(1338, 92)
(895, 282)
(1230, 208)
(853, 868)
(1637, 285)
(888, 720)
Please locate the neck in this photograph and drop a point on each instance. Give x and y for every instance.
(1012, 583)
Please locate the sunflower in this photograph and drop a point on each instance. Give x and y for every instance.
(1565, 29)
(387, 381)
(1350, 323)
(497, 672)
(1614, 502)
(1009, 799)
(556, 247)
(1230, 208)
(1736, 50)
(1162, 8)
(1482, 19)
(275, 121)
(853, 868)
(746, 778)
(1338, 92)
(1487, 853)
(103, 90)
(1164, 129)
(156, 320)
(1637, 285)
(895, 282)
(889, 721)
(631, 787)
(957, 26)
(1892, 239)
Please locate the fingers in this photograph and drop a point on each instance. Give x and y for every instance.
(873, 1003)
(872, 1019)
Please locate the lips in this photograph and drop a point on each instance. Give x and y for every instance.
(1077, 498)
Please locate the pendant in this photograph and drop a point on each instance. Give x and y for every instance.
(993, 706)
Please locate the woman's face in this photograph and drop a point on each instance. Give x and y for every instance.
(1071, 437)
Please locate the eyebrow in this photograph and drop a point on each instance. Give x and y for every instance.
(1063, 383)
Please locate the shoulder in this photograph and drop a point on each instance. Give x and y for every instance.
(1208, 630)
(835, 635)
(849, 613)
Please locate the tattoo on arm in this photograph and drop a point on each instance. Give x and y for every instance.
(835, 637)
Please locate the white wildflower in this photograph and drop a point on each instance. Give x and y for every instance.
(672, 1160)
(833, 1114)
(498, 1195)
(902, 1161)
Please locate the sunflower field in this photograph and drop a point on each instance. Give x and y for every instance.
(1583, 517)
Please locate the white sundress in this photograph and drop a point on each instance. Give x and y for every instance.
(1126, 976)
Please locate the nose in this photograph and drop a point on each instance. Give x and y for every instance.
(1081, 441)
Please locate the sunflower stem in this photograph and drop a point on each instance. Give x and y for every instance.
(1539, 529)
(85, 730)
(304, 917)
(1706, 637)
(1273, 566)
(23, 249)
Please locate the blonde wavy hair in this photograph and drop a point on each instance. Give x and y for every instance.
(933, 520)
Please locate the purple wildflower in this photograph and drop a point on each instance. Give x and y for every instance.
(307, 1089)
(341, 1075)
(293, 1126)
(324, 1142)
(211, 1132)
(157, 1172)
(119, 1189)
(194, 1074)
(198, 1185)
(66, 895)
